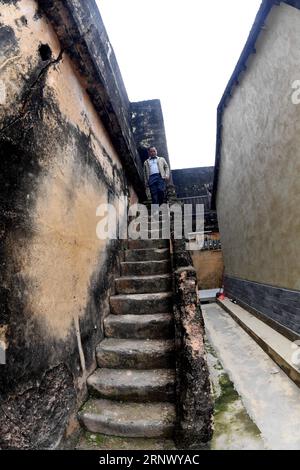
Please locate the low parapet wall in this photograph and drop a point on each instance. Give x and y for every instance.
(193, 393)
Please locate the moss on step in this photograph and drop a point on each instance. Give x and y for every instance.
(95, 439)
(210, 350)
(92, 441)
(228, 394)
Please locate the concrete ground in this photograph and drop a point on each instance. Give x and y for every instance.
(257, 405)
(233, 427)
(208, 295)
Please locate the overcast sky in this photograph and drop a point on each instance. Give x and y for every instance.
(182, 52)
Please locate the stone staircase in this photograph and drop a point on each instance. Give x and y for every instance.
(132, 391)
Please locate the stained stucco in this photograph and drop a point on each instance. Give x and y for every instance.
(68, 192)
(258, 195)
(57, 164)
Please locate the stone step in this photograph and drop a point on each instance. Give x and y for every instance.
(150, 216)
(144, 268)
(103, 442)
(137, 304)
(149, 254)
(155, 224)
(277, 346)
(152, 224)
(155, 234)
(143, 244)
(133, 385)
(154, 326)
(144, 284)
(135, 354)
(128, 419)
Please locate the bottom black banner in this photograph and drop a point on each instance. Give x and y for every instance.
(137, 459)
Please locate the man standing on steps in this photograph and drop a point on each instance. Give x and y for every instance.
(156, 173)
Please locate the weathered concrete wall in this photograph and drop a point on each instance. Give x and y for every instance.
(190, 182)
(148, 128)
(258, 195)
(194, 186)
(82, 34)
(58, 163)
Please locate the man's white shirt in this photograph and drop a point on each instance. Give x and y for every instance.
(153, 166)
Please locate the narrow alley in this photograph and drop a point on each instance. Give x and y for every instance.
(149, 248)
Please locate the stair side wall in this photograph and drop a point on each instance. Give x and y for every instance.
(58, 164)
(194, 404)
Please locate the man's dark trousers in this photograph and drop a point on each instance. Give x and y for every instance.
(157, 187)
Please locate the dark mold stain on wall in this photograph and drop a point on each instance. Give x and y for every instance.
(8, 41)
(38, 384)
(22, 420)
(5, 2)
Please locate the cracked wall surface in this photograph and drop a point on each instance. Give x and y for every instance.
(58, 163)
